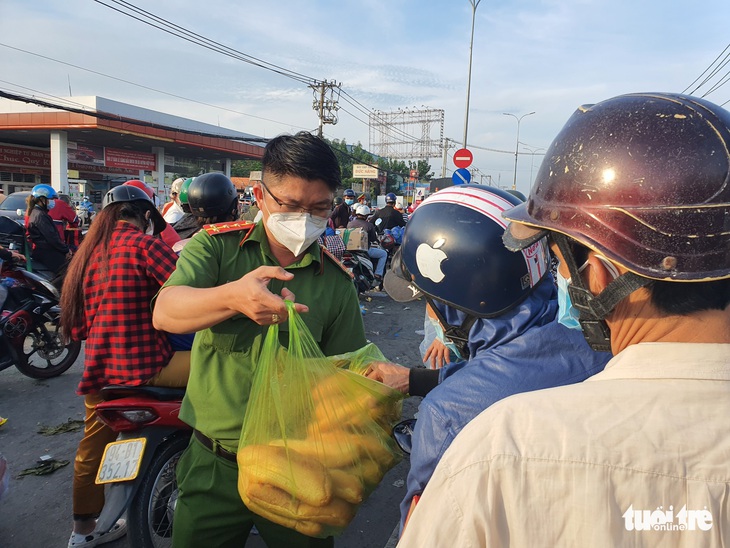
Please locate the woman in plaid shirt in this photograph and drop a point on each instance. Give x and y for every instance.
(106, 301)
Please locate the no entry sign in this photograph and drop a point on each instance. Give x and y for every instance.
(463, 158)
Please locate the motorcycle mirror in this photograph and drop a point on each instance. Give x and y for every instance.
(403, 434)
(20, 212)
(378, 222)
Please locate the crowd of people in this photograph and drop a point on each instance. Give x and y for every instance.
(577, 344)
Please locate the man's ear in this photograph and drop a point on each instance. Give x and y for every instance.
(598, 275)
(258, 193)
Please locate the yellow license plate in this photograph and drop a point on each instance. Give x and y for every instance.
(121, 461)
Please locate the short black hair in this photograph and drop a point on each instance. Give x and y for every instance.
(685, 298)
(302, 155)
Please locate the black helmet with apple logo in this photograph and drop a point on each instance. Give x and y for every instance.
(452, 251)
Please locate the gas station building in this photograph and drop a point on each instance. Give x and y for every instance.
(98, 143)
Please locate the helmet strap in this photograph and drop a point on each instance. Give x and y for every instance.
(459, 335)
(594, 309)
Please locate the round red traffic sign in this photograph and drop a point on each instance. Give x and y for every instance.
(463, 158)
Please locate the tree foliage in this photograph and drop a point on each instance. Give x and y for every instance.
(397, 171)
(242, 168)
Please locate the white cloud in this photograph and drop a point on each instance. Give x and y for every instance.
(547, 56)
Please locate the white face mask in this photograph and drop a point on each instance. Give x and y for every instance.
(296, 231)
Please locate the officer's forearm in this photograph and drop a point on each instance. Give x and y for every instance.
(183, 309)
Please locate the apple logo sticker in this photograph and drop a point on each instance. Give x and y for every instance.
(429, 259)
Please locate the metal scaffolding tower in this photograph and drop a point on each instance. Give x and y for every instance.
(407, 134)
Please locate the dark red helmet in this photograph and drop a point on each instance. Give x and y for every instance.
(643, 179)
(387, 241)
(142, 186)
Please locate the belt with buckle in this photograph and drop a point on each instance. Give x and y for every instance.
(214, 446)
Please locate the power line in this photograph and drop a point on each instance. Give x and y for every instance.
(108, 116)
(188, 35)
(213, 46)
(705, 71)
(117, 118)
(146, 87)
(365, 110)
(155, 21)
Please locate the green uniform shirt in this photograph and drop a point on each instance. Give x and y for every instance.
(224, 356)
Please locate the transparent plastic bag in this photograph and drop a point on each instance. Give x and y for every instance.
(316, 439)
(358, 361)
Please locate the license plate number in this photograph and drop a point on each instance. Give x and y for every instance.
(121, 460)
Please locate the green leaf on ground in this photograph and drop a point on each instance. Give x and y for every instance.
(44, 468)
(71, 425)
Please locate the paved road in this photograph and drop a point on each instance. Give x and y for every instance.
(37, 511)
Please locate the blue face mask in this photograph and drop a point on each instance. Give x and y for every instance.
(433, 330)
(567, 313)
(349, 202)
(51, 204)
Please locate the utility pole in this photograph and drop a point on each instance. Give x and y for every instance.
(517, 144)
(326, 95)
(474, 5)
(446, 157)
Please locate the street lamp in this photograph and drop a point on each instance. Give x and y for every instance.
(517, 145)
(474, 5)
(532, 151)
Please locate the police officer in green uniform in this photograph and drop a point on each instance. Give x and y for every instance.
(230, 284)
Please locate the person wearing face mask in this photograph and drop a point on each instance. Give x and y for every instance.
(229, 286)
(105, 301)
(341, 213)
(436, 348)
(497, 308)
(633, 197)
(47, 247)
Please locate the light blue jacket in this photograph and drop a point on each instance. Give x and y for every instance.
(525, 349)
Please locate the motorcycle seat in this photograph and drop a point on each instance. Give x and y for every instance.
(161, 393)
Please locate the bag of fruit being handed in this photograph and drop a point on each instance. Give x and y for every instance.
(316, 438)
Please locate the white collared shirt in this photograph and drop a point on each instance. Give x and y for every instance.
(637, 455)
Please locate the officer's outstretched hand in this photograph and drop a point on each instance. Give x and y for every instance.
(258, 303)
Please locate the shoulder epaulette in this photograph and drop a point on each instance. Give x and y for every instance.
(327, 253)
(232, 226)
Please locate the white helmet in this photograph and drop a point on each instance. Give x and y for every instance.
(362, 209)
(176, 184)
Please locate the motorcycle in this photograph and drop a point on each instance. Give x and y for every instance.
(140, 465)
(389, 243)
(85, 215)
(361, 267)
(30, 337)
(403, 435)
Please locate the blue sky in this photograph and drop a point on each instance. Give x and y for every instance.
(545, 56)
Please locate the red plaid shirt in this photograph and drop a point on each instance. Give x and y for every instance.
(122, 347)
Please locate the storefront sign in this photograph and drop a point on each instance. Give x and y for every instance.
(21, 156)
(364, 171)
(129, 159)
(86, 154)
